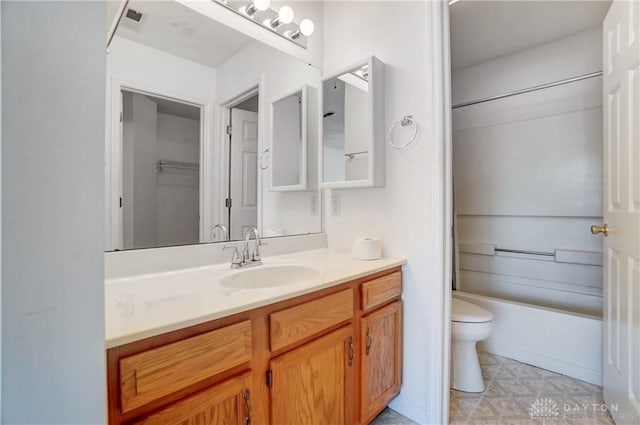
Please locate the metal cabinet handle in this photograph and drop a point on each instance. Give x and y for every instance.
(597, 229)
(368, 346)
(352, 351)
(246, 395)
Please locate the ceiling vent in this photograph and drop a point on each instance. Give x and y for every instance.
(134, 15)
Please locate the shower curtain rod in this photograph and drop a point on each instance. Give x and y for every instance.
(530, 89)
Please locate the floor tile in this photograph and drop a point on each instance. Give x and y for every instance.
(521, 394)
(391, 417)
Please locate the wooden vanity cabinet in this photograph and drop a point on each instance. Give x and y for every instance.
(313, 384)
(331, 357)
(380, 354)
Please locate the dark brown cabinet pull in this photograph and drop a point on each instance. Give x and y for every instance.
(368, 347)
(246, 395)
(352, 351)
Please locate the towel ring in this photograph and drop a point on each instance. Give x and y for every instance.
(261, 162)
(405, 121)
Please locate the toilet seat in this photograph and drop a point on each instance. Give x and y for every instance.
(465, 312)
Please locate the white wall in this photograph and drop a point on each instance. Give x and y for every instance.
(53, 363)
(0, 215)
(141, 174)
(178, 191)
(528, 174)
(405, 213)
(136, 66)
(279, 75)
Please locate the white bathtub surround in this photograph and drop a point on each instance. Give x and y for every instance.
(556, 340)
(142, 306)
(511, 193)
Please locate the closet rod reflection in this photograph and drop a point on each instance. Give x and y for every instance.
(530, 89)
(519, 251)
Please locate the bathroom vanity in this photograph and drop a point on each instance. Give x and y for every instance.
(325, 350)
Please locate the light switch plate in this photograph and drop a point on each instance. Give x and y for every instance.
(335, 204)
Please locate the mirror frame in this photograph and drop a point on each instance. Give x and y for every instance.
(302, 185)
(376, 131)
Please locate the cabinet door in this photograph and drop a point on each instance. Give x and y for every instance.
(313, 384)
(227, 403)
(381, 354)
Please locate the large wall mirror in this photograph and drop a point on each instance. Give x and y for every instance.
(210, 132)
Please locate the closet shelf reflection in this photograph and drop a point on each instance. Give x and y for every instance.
(165, 164)
(353, 154)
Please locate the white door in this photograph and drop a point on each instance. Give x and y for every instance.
(243, 172)
(621, 342)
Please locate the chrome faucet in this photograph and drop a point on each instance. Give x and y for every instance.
(223, 229)
(254, 257)
(246, 258)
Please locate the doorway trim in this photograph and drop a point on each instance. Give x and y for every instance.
(441, 107)
(113, 157)
(223, 113)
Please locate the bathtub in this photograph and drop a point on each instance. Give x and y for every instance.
(560, 341)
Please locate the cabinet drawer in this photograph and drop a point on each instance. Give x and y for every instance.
(153, 374)
(302, 321)
(225, 403)
(378, 291)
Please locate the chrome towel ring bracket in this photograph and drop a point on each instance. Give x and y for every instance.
(404, 122)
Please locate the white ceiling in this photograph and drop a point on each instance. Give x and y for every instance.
(175, 29)
(485, 30)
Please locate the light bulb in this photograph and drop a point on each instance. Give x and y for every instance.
(307, 27)
(261, 5)
(285, 15)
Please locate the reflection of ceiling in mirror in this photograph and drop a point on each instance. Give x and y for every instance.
(178, 30)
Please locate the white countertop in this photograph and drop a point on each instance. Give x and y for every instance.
(147, 305)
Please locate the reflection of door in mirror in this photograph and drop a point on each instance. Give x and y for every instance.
(243, 170)
(160, 171)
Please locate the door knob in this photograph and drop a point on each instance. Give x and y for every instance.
(597, 229)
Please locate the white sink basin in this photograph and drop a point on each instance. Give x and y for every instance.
(269, 276)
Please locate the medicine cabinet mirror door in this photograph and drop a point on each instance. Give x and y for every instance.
(352, 153)
(289, 141)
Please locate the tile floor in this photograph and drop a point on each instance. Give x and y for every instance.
(515, 389)
(512, 389)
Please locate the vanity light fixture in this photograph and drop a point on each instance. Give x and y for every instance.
(306, 28)
(279, 21)
(285, 16)
(256, 5)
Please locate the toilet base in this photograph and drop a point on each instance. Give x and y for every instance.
(467, 375)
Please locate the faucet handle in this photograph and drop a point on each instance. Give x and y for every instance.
(236, 260)
(256, 251)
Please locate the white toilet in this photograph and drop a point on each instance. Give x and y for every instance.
(469, 324)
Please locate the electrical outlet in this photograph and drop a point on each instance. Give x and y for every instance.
(335, 204)
(314, 204)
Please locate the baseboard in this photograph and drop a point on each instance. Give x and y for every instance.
(555, 365)
(410, 411)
